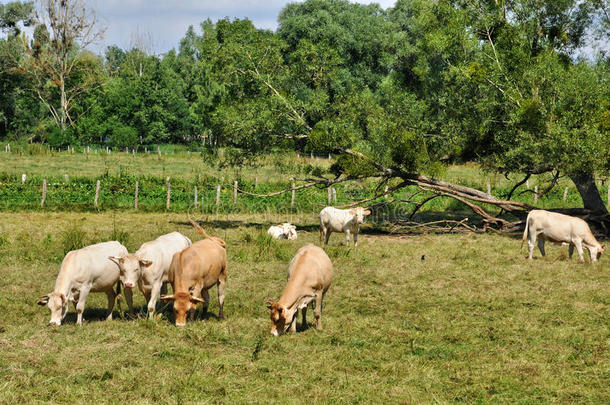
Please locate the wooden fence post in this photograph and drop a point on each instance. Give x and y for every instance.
(255, 183)
(135, 202)
(168, 194)
(23, 177)
(97, 193)
(488, 190)
(334, 195)
(195, 203)
(329, 194)
(292, 194)
(527, 184)
(217, 196)
(235, 192)
(44, 192)
(535, 194)
(67, 178)
(565, 194)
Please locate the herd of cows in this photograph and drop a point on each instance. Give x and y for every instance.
(193, 268)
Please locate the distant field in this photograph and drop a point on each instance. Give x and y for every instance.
(119, 172)
(472, 322)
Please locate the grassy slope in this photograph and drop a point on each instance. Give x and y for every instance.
(472, 322)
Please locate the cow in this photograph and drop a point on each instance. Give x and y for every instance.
(347, 221)
(195, 270)
(149, 267)
(309, 275)
(83, 271)
(559, 228)
(283, 231)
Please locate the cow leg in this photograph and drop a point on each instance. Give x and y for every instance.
(111, 299)
(206, 298)
(304, 315)
(570, 250)
(541, 246)
(222, 280)
(152, 298)
(578, 244)
(317, 312)
(347, 237)
(531, 243)
(327, 233)
(293, 323)
(355, 238)
(80, 307)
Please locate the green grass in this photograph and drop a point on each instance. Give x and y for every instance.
(119, 172)
(473, 322)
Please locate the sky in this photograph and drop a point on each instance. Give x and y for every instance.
(160, 24)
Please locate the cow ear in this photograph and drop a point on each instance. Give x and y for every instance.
(44, 300)
(145, 263)
(353, 212)
(117, 260)
(63, 300)
(167, 297)
(367, 212)
(269, 303)
(294, 228)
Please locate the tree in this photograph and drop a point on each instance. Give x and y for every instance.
(64, 28)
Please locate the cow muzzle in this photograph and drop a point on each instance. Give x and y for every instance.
(54, 323)
(128, 285)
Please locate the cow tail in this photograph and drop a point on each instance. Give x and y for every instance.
(198, 228)
(118, 293)
(527, 221)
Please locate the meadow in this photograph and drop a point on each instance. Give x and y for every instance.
(408, 319)
(118, 173)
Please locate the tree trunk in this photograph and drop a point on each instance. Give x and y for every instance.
(63, 104)
(585, 183)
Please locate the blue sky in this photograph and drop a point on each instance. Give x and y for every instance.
(160, 24)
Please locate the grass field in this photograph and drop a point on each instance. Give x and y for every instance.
(473, 322)
(118, 173)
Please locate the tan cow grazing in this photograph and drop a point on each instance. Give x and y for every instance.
(558, 228)
(309, 275)
(195, 270)
(83, 271)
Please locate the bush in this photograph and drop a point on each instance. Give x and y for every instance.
(122, 136)
(60, 139)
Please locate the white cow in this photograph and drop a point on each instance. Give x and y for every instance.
(347, 221)
(83, 271)
(149, 267)
(283, 231)
(559, 228)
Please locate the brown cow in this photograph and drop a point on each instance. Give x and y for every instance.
(195, 270)
(309, 275)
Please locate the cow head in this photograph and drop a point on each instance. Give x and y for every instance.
(183, 303)
(58, 304)
(281, 318)
(359, 213)
(130, 267)
(289, 231)
(600, 251)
